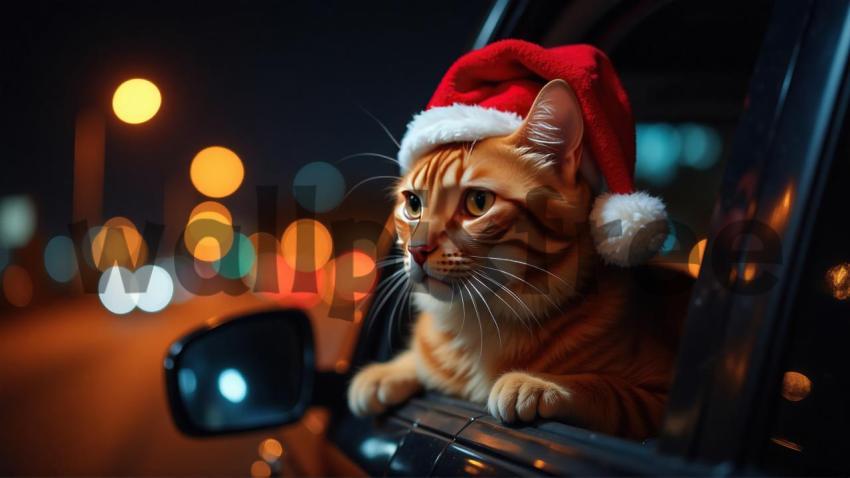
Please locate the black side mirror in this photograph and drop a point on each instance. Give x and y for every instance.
(239, 374)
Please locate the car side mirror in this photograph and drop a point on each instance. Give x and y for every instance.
(244, 373)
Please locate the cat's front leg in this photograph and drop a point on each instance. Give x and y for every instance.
(382, 385)
(600, 402)
(521, 396)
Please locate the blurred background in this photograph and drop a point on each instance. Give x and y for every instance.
(155, 153)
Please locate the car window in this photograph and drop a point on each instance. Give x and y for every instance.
(687, 96)
(809, 412)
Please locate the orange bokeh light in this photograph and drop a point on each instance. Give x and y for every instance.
(260, 469)
(363, 271)
(838, 280)
(209, 232)
(795, 386)
(136, 101)
(118, 242)
(270, 450)
(216, 172)
(300, 239)
(319, 280)
(17, 286)
(695, 257)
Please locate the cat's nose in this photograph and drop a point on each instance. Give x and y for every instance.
(420, 253)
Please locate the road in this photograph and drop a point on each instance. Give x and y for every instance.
(81, 393)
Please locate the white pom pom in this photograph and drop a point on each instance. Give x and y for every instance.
(628, 228)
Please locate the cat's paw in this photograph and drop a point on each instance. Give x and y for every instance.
(520, 396)
(379, 386)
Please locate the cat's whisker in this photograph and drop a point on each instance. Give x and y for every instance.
(388, 279)
(398, 294)
(373, 178)
(513, 294)
(462, 306)
(367, 154)
(469, 151)
(525, 264)
(504, 302)
(546, 296)
(382, 294)
(493, 317)
(389, 262)
(383, 127)
(478, 316)
(402, 296)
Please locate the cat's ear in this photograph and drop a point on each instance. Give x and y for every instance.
(553, 129)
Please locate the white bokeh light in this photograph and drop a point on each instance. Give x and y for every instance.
(232, 386)
(113, 290)
(159, 291)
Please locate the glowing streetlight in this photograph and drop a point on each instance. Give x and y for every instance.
(136, 101)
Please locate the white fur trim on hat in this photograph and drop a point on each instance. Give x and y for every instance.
(452, 124)
(617, 220)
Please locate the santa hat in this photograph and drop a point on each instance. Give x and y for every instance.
(488, 92)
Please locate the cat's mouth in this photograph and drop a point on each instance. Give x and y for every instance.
(430, 283)
(436, 287)
(422, 276)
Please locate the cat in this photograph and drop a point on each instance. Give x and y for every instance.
(518, 312)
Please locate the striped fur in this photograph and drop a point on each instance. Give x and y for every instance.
(517, 312)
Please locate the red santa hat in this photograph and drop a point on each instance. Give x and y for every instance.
(488, 92)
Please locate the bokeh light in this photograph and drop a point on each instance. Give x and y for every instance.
(115, 290)
(270, 450)
(659, 146)
(695, 257)
(205, 270)
(118, 242)
(750, 271)
(781, 210)
(209, 232)
(358, 281)
(306, 245)
(663, 147)
(136, 101)
(159, 290)
(171, 265)
(17, 285)
(314, 286)
(239, 259)
(17, 221)
(60, 259)
(671, 240)
(187, 380)
(260, 469)
(838, 281)
(318, 187)
(701, 146)
(216, 172)
(232, 385)
(795, 386)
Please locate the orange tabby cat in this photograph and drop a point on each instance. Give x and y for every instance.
(510, 316)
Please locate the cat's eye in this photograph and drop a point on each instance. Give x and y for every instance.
(412, 206)
(478, 201)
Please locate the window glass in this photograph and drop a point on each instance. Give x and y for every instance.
(811, 406)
